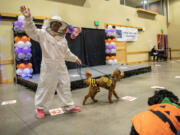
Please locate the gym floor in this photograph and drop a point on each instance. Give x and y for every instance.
(99, 118)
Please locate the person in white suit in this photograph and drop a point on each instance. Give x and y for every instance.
(54, 74)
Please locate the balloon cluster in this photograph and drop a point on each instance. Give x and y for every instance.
(110, 46)
(73, 31)
(19, 25)
(110, 32)
(110, 43)
(111, 60)
(24, 70)
(22, 48)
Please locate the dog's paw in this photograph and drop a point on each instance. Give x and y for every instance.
(110, 102)
(95, 100)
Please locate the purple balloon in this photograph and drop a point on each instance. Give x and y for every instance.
(15, 23)
(71, 29)
(106, 30)
(113, 47)
(18, 50)
(109, 47)
(112, 30)
(26, 50)
(20, 23)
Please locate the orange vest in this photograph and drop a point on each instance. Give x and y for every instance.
(159, 119)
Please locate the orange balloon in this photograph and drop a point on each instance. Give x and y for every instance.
(28, 39)
(22, 66)
(17, 39)
(24, 38)
(107, 57)
(29, 65)
(109, 40)
(114, 40)
(113, 58)
(17, 66)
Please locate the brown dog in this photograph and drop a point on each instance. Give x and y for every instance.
(104, 82)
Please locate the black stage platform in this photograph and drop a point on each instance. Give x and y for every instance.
(77, 75)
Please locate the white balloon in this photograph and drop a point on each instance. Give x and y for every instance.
(110, 27)
(21, 55)
(110, 62)
(20, 44)
(26, 71)
(107, 44)
(21, 18)
(28, 44)
(19, 71)
(113, 43)
(113, 51)
(107, 51)
(15, 45)
(115, 61)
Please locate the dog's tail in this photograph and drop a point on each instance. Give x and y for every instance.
(88, 74)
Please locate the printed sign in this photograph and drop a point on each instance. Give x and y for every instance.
(126, 34)
(8, 102)
(129, 98)
(56, 111)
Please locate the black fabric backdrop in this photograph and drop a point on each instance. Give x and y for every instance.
(89, 46)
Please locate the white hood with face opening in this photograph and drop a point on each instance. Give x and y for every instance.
(61, 31)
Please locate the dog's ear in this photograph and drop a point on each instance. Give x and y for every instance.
(88, 74)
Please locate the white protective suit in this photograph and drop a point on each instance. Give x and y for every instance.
(54, 74)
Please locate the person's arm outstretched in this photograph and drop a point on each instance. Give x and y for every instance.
(29, 25)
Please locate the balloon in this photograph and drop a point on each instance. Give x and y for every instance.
(26, 50)
(20, 23)
(22, 66)
(113, 58)
(17, 39)
(19, 71)
(31, 70)
(24, 38)
(28, 56)
(21, 56)
(73, 36)
(113, 51)
(114, 40)
(20, 44)
(108, 40)
(26, 71)
(107, 31)
(18, 29)
(107, 51)
(110, 62)
(112, 30)
(29, 65)
(28, 44)
(15, 23)
(107, 44)
(17, 50)
(70, 29)
(21, 18)
(113, 47)
(23, 75)
(115, 61)
(107, 57)
(110, 27)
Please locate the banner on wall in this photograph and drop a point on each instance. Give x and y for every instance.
(126, 34)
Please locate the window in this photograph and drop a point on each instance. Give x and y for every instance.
(154, 5)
